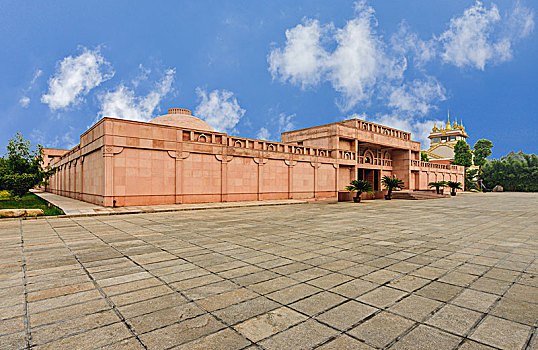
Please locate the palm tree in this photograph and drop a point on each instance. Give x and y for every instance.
(453, 187)
(438, 185)
(391, 183)
(359, 186)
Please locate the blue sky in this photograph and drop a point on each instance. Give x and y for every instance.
(255, 69)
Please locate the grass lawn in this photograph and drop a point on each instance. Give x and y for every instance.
(28, 201)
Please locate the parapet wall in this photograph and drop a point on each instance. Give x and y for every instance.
(126, 163)
(135, 163)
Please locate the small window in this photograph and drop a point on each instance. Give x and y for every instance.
(436, 139)
(443, 139)
(452, 138)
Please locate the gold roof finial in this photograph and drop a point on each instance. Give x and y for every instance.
(448, 121)
(455, 126)
(435, 128)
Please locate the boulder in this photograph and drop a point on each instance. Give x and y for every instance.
(17, 213)
(34, 212)
(12, 213)
(498, 188)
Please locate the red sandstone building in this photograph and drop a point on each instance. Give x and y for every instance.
(178, 158)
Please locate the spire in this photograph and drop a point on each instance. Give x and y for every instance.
(455, 126)
(448, 121)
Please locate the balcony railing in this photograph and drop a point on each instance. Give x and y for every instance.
(422, 164)
(375, 161)
(380, 129)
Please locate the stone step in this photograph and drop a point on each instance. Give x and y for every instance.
(417, 195)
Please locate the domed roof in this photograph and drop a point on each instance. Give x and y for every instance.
(181, 118)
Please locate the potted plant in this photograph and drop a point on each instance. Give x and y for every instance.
(453, 187)
(391, 183)
(438, 186)
(359, 186)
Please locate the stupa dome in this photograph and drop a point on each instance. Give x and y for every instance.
(182, 118)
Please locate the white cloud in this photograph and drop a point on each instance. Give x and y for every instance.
(481, 36)
(123, 103)
(24, 101)
(407, 43)
(303, 58)
(219, 109)
(142, 76)
(420, 130)
(520, 22)
(417, 96)
(285, 122)
(75, 77)
(358, 60)
(36, 76)
(467, 41)
(263, 134)
(66, 141)
(357, 63)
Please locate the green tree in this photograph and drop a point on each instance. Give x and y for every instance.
(462, 154)
(391, 183)
(20, 167)
(514, 172)
(482, 150)
(438, 185)
(453, 187)
(470, 181)
(359, 186)
(424, 157)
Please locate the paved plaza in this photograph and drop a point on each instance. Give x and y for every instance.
(454, 273)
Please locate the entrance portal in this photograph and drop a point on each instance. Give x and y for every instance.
(371, 175)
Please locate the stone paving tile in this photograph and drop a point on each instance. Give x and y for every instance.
(409, 283)
(415, 307)
(381, 329)
(501, 333)
(50, 332)
(424, 337)
(517, 310)
(346, 315)
(225, 339)
(204, 279)
(140, 295)
(329, 281)
(524, 293)
(439, 291)
(475, 300)
(151, 305)
(382, 297)
(64, 300)
(226, 299)
(164, 317)
(472, 345)
(317, 303)
(454, 319)
(303, 336)
(293, 293)
(13, 341)
(91, 339)
(180, 333)
(490, 285)
(344, 342)
(125, 344)
(244, 310)
(270, 323)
